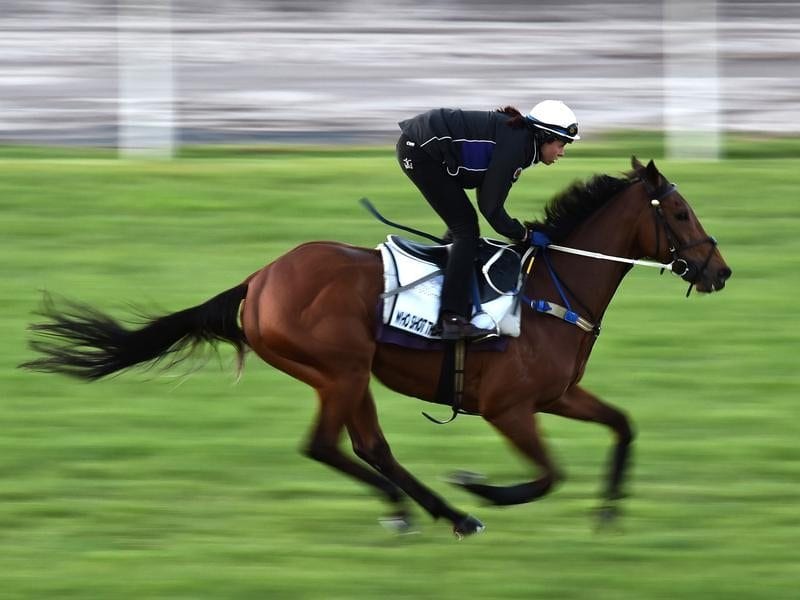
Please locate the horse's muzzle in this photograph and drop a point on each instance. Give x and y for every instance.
(723, 274)
(711, 279)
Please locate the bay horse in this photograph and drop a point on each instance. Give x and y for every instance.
(313, 314)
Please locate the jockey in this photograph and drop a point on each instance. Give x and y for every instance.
(445, 151)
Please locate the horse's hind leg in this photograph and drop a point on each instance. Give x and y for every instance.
(370, 444)
(577, 403)
(336, 407)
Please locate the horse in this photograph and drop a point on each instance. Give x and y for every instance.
(313, 313)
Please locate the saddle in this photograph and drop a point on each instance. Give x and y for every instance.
(498, 262)
(413, 275)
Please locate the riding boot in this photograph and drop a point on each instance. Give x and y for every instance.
(456, 327)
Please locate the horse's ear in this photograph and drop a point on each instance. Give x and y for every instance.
(653, 176)
(637, 166)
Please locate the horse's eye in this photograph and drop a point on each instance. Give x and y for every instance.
(682, 216)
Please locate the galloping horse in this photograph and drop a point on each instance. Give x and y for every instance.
(313, 314)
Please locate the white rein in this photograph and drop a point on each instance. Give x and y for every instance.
(600, 256)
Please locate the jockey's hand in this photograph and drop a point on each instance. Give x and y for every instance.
(537, 238)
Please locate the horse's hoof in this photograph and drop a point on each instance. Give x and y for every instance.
(469, 525)
(465, 478)
(398, 524)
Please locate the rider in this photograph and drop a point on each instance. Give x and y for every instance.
(445, 151)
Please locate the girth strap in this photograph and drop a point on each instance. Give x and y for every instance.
(451, 382)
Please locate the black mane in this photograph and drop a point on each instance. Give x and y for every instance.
(567, 209)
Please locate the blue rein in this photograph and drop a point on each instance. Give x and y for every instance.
(541, 241)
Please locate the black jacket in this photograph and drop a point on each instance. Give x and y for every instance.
(481, 151)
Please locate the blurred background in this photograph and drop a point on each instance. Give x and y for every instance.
(280, 115)
(162, 73)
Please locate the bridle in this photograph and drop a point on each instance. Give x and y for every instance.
(686, 270)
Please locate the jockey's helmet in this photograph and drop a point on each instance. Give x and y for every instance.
(555, 117)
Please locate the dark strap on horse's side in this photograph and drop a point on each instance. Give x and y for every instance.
(413, 284)
(451, 379)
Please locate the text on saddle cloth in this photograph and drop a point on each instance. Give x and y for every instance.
(413, 275)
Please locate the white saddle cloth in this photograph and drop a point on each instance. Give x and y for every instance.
(415, 310)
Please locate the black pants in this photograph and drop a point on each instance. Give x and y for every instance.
(451, 203)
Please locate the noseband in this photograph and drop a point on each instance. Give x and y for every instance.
(686, 270)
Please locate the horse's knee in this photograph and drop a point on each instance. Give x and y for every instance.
(621, 425)
(625, 432)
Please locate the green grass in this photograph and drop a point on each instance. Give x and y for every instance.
(152, 486)
(597, 145)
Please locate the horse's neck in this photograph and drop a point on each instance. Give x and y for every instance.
(611, 230)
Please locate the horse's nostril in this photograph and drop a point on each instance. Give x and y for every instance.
(724, 273)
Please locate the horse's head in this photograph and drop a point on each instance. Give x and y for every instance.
(676, 235)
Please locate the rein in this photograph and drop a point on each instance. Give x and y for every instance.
(680, 266)
(600, 256)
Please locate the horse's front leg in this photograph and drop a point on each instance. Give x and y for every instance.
(577, 403)
(518, 426)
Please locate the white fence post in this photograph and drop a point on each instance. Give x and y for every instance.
(145, 70)
(692, 119)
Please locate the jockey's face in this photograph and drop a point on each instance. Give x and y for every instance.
(551, 151)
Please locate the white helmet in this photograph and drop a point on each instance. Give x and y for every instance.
(557, 118)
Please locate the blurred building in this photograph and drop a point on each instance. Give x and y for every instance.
(316, 71)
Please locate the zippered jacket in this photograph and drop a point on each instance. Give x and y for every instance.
(481, 151)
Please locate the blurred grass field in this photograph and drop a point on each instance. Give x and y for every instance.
(188, 486)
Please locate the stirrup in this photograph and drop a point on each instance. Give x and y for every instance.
(456, 327)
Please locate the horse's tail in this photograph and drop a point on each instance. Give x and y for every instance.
(83, 342)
